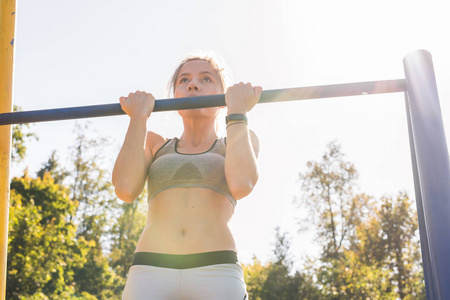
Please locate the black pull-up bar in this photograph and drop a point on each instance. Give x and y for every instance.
(280, 95)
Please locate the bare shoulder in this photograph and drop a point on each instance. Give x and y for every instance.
(255, 141)
(155, 141)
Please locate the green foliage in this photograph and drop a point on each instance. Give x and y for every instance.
(83, 272)
(275, 281)
(328, 194)
(42, 249)
(70, 239)
(384, 261)
(399, 226)
(19, 137)
(255, 276)
(349, 278)
(125, 234)
(371, 250)
(53, 167)
(96, 277)
(91, 188)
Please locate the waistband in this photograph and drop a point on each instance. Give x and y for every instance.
(184, 261)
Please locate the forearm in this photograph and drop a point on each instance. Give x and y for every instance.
(130, 172)
(241, 168)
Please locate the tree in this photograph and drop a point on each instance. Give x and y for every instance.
(350, 278)
(255, 276)
(328, 194)
(370, 248)
(19, 137)
(53, 167)
(91, 189)
(399, 225)
(42, 249)
(87, 189)
(90, 186)
(274, 280)
(96, 277)
(280, 284)
(125, 234)
(384, 262)
(364, 266)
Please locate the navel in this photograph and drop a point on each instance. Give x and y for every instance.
(183, 232)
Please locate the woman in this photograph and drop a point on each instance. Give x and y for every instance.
(186, 250)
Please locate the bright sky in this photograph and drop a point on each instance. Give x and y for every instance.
(72, 53)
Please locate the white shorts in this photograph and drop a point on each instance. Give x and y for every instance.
(201, 276)
(215, 282)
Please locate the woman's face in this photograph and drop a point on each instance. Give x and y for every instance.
(197, 78)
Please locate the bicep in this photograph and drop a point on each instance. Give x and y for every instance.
(255, 142)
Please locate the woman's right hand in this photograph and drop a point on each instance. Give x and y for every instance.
(138, 104)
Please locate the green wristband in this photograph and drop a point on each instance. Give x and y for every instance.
(236, 117)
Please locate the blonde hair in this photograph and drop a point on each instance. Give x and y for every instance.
(215, 65)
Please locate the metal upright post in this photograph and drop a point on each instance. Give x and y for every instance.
(429, 284)
(433, 170)
(7, 25)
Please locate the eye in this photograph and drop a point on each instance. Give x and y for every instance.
(207, 79)
(183, 80)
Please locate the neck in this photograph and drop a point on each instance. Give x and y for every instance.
(198, 131)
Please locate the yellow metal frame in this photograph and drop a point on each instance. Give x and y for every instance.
(7, 33)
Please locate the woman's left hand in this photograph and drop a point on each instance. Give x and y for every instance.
(241, 98)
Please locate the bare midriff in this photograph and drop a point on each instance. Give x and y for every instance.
(187, 221)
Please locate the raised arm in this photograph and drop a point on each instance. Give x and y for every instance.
(241, 168)
(135, 156)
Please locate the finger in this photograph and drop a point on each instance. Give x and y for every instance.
(258, 91)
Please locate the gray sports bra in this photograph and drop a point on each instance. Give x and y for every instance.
(171, 169)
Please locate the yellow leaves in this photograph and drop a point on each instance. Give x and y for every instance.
(13, 271)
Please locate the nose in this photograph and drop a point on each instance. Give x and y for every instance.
(193, 86)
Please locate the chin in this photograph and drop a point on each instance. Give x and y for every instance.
(199, 112)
